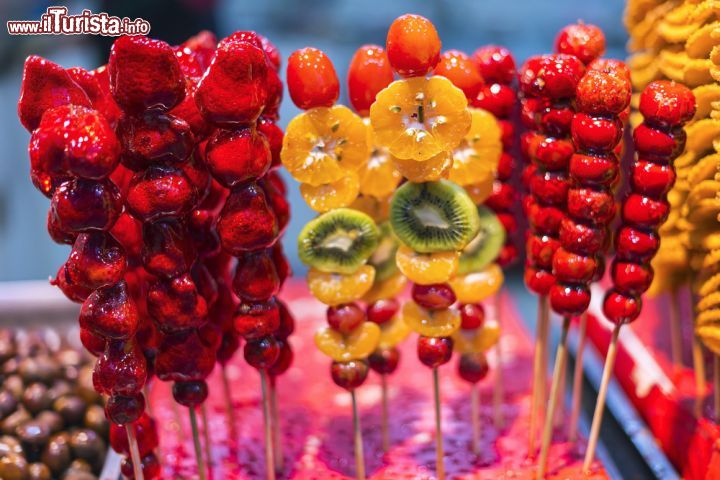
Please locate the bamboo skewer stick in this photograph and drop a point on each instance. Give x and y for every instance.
(600, 403)
(269, 449)
(359, 455)
(538, 376)
(229, 403)
(196, 442)
(475, 418)
(277, 431)
(675, 330)
(439, 454)
(385, 414)
(498, 392)
(134, 452)
(577, 381)
(206, 436)
(560, 359)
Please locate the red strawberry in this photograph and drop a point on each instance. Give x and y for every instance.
(121, 369)
(96, 260)
(256, 277)
(202, 46)
(167, 249)
(271, 51)
(183, 356)
(274, 136)
(110, 312)
(160, 191)
(247, 222)
(154, 138)
(80, 205)
(235, 156)
(176, 304)
(98, 93)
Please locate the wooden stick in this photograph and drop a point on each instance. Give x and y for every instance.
(196, 442)
(577, 381)
(385, 414)
(600, 402)
(359, 455)
(230, 410)
(700, 383)
(206, 436)
(475, 417)
(559, 415)
(148, 405)
(439, 455)
(538, 376)
(269, 449)
(716, 387)
(560, 359)
(675, 330)
(277, 431)
(498, 392)
(134, 452)
(545, 359)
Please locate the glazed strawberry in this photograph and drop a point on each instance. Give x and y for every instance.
(284, 360)
(585, 41)
(188, 111)
(121, 369)
(206, 285)
(256, 277)
(183, 357)
(154, 138)
(271, 51)
(73, 292)
(110, 312)
(538, 280)
(96, 260)
(457, 67)
(247, 221)
(151, 467)
(495, 64)
(202, 46)
(97, 88)
(189, 64)
(199, 176)
(168, 249)
(145, 432)
(495, 98)
(128, 231)
(311, 78)
(243, 36)
(600, 93)
(160, 191)
(236, 156)
(145, 75)
(287, 322)
(190, 394)
(175, 304)
(46, 85)
(274, 189)
(58, 235)
(254, 320)
(282, 266)
(201, 228)
(232, 91)
(413, 46)
(274, 136)
(368, 73)
(122, 410)
(81, 205)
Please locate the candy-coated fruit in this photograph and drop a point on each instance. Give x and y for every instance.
(636, 245)
(236, 156)
(602, 93)
(594, 169)
(110, 312)
(80, 205)
(655, 144)
(247, 221)
(427, 268)
(154, 138)
(434, 351)
(476, 157)
(284, 360)
(477, 286)
(477, 340)
(311, 78)
(271, 51)
(431, 170)
(570, 267)
(500, 101)
(160, 191)
(97, 87)
(356, 345)
(262, 353)
(538, 280)
(590, 132)
(329, 196)
(183, 356)
(593, 206)
(667, 104)
(495, 63)
(631, 278)
(392, 333)
(388, 288)
(553, 76)
(96, 260)
(610, 65)
(621, 308)
(472, 316)
(167, 249)
(473, 367)
(73, 292)
(93, 343)
(336, 288)
(438, 296)
(274, 136)
(540, 249)
(190, 394)
(581, 238)
(384, 360)
(420, 117)
(368, 73)
(457, 67)
(254, 320)
(382, 311)
(145, 432)
(176, 304)
(378, 177)
(256, 276)
(122, 410)
(349, 375)
(346, 317)
(413, 45)
(430, 323)
(644, 211)
(323, 144)
(585, 41)
(121, 369)
(569, 300)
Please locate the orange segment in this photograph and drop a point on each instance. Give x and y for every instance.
(359, 344)
(420, 117)
(432, 170)
(479, 192)
(429, 323)
(476, 158)
(337, 288)
(321, 145)
(392, 333)
(478, 340)
(329, 196)
(427, 268)
(477, 286)
(379, 177)
(377, 209)
(388, 288)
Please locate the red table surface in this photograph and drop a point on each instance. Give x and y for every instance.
(317, 423)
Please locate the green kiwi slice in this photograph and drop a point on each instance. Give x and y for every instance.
(486, 246)
(383, 258)
(433, 216)
(339, 241)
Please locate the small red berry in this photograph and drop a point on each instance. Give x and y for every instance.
(620, 308)
(346, 317)
(382, 311)
(667, 104)
(495, 64)
(110, 312)
(311, 79)
(473, 367)
(384, 360)
(190, 394)
(236, 156)
(256, 278)
(368, 73)
(434, 297)
(434, 351)
(585, 41)
(413, 45)
(254, 320)
(472, 316)
(262, 353)
(122, 410)
(457, 67)
(349, 375)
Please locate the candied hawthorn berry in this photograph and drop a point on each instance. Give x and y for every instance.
(145, 74)
(382, 311)
(495, 64)
(80, 205)
(145, 433)
(368, 73)
(649, 178)
(555, 76)
(472, 316)
(247, 221)
(413, 45)
(497, 99)
(183, 357)
(457, 67)
(436, 296)
(176, 304)
(571, 267)
(167, 249)
(643, 211)
(262, 353)
(311, 78)
(569, 300)
(236, 156)
(434, 351)
(233, 91)
(96, 260)
(121, 369)
(349, 375)
(160, 191)
(274, 188)
(540, 250)
(581, 238)
(556, 120)
(274, 136)
(635, 244)
(610, 65)
(651, 143)
(122, 410)
(384, 360)
(620, 308)
(595, 206)
(594, 169)
(585, 41)
(110, 312)
(667, 104)
(545, 219)
(600, 93)
(549, 188)
(287, 322)
(539, 281)
(552, 153)
(596, 133)
(631, 278)
(284, 360)
(345, 317)
(256, 277)
(154, 138)
(255, 320)
(46, 85)
(190, 394)
(197, 173)
(473, 367)
(274, 87)
(206, 285)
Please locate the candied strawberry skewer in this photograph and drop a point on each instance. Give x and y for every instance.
(666, 106)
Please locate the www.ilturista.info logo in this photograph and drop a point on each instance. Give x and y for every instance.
(56, 21)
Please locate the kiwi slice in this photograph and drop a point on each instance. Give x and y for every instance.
(339, 241)
(486, 246)
(433, 216)
(383, 258)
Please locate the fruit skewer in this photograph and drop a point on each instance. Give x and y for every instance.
(665, 106)
(323, 149)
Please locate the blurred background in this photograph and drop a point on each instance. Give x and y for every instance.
(527, 27)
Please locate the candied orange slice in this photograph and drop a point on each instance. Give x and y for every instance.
(479, 192)
(360, 343)
(477, 286)
(329, 196)
(378, 177)
(376, 208)
(427, 268)
(476, 158)
(391, 287)
(337, 288)
(431, 323)
(321, 145)
(419, 117)
(432, 170)
(477, 340)
(392, 333)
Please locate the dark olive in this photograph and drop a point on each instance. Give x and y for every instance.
(71, 408)
(14, 420)
(8, 403)
(10, 444)
(39, 369)
(95, 420)
(58, 389)
(78, 474)
(33, 435)
(36, 398)
(87, 445)
(39, 471)
(13, 467)
(14, 385)
(53, 420)
(57, 454)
